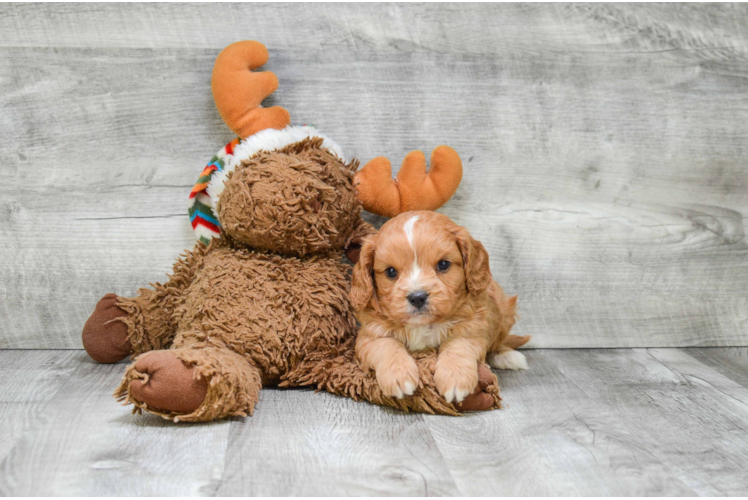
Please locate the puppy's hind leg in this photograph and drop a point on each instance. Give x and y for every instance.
(507, 358)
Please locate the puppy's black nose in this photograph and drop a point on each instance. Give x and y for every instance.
(418, 299)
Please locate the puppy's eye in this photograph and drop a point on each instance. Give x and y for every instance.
(391, 273)
(443, 265)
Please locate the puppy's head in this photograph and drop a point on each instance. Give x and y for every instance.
(419, 268)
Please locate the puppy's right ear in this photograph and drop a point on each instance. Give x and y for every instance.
(475, 262)
(362, 284)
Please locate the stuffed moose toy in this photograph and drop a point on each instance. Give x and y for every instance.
(263, 297)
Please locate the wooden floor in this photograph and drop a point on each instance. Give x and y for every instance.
(579, 422)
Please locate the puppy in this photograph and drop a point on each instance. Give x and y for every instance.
(423, 282)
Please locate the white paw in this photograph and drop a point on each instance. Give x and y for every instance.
(455, 382)
(509, 360)
(399, 382)
(401, 390)
(455, 395)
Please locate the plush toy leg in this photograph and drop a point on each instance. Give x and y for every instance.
(122, 326)
(191, 384)
(105, 332)
(149, 321)
(343, 376)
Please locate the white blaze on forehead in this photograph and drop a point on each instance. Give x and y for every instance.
(408, 228)
(414, 279)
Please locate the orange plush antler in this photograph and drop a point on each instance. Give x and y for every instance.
(238, 92)
(414, 188)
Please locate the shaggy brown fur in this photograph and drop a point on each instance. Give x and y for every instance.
(268, 303)
(297, 200)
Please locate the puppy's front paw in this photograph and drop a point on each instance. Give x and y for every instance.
(455, 381)
(399, 380)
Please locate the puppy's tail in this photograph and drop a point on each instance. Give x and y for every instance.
(515, 341)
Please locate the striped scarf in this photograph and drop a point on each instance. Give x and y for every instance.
(203, 219)
(205, 194)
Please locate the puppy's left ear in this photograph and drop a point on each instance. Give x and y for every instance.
(362, 283)
(474, 261)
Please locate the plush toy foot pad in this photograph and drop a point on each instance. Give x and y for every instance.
(481, 398)
(166, 383)
(105, 338)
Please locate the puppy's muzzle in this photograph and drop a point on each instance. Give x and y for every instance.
(418, 299)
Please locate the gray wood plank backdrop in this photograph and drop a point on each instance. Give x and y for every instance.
(604, 148)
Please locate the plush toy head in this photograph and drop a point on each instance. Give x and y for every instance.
(295, 200)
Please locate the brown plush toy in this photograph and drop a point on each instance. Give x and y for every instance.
(263, 298)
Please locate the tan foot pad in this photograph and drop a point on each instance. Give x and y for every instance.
(167, 384)
(485, 394)
(105, 338)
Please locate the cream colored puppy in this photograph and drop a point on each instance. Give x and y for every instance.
(423, 282)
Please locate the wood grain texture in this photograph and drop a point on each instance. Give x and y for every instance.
(604, 149)
(604, 422)
(618, 422)
(85, 444)
(29, 380)
(301, 443)
(391, 28)
(732, 363)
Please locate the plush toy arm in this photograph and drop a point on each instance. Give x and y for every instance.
(414, 188)
(238, 92)
(123, 326)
